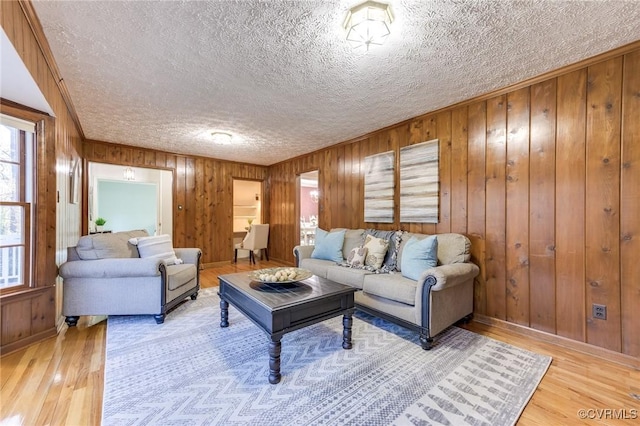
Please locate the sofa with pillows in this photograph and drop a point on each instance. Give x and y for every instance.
(423, 282)
(127, 273)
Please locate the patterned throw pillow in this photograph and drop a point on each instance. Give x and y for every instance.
(158, 247)
(393, 238)
(376, 250)
(357, 257)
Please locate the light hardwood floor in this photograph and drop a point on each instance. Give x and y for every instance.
(59, 381)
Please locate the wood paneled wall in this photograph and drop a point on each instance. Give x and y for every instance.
(545, 181)
(32, 315)
(202, 186)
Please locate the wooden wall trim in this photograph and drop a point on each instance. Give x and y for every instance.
(23, 343)
(24, 112)
(45, 49)
(25, 294)
(586, 348)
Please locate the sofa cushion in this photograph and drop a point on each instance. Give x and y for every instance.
(348, 276)
(418, 256)
(453, 248)
(108, 246)
(352, 238)
(393, 239)
(317, 266)
(391, 286)
(328, 245)
(157, 247)
(179, 275)
(376, 250)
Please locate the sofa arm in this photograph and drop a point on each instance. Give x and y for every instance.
(111, 268)
(189, 255)
(446, 276)
(302, 252)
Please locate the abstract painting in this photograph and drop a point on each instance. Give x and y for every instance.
(379, 185)
(419, 182)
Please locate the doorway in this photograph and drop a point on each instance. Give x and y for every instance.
(130, 198)
(247, 209)
(308, 200)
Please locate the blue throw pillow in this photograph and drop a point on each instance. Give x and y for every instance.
(328, 245)
(419, 255)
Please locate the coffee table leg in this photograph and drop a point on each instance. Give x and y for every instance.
(275, 346)
(224, 313)
(347, 321)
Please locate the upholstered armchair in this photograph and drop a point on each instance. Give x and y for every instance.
(257, 238)
(127, 273)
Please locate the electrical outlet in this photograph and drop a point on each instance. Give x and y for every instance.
(599, 311)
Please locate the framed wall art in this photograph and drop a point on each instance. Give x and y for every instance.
(379, 186)
(419, 182)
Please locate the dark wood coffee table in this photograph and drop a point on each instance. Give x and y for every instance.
(281, 308)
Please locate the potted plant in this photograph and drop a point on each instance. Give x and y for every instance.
(100, 224)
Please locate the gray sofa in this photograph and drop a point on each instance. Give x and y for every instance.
(440, 297)
(104, 275)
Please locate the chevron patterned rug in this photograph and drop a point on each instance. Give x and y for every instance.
(189, 371)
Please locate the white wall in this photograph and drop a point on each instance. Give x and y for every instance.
(245, 204)
(162, 178)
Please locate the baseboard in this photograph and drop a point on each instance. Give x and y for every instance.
(227, 262)
(216, 264)
(605, 354)
(284, 262)
(23, 343)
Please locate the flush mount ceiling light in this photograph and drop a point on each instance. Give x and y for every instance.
(221, 138)
(368, 24)
(129, 174)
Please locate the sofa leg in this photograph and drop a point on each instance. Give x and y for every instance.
(159, 318)
(194, 296)
(72, 321)
(467, 319)
(426, 341)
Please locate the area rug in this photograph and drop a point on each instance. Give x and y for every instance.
(189, 371)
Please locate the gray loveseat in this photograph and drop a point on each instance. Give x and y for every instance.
(441, 296)
(105, 275)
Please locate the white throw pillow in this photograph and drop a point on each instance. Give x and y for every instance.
(157, 247)
(357, 257)
(376, 250)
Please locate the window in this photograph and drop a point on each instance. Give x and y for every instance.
(16, 196)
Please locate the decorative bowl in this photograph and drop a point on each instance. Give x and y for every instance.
(280, 275)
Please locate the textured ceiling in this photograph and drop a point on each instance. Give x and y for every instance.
(280, 77)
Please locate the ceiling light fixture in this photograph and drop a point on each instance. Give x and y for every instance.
(129, 174)
(368, 24)
(221, 138)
